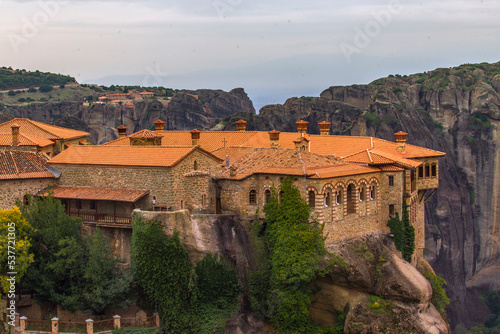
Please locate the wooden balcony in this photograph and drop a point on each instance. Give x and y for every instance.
(103, 219)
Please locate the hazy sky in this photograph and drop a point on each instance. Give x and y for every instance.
(274, 49)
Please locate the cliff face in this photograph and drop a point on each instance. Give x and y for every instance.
(450, 110)
(185, 110)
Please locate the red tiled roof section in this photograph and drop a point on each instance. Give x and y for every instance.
(341, 170)
(24, 140)
(98, 194)
(289, 162)
(146, 156)
(23, 165)
(145, 134)
(42, 130)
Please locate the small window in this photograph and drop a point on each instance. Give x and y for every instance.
(253, 196)
(391, 210)
(421, 172)
(362, 193)
(267, 195)
(338, 197)
(373, 192)
(312, 199)
(391, 181)
(434, 170)
(195, 165)
(182, 204)
(93, 205)
(328, 198)
(203, 200)
(427, 171)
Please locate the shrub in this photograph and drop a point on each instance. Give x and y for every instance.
(32, 90)
(45, 88)
(11, 93)
(22, 99)
(62, 86)
(439, 298)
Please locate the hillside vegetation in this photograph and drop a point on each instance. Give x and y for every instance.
(13, 79)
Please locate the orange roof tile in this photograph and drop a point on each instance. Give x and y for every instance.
(340, 146)
(291, 162)
(145, 156)
(98, 194)
(145, 134)
(41, 130)
(23, 165)
(24, 140)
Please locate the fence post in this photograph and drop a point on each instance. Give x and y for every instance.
(116, 321)
(90, 326)
(157, 319)
(23, 322)
(55, 325)
(16, 320)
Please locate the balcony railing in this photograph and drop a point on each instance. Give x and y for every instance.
(101, 218)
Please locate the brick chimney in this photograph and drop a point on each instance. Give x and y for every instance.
(159, 125)
(324, 128)
(242, 125)
(302, 126)
(122, 131)
(274, 136)
(401, 141)
(195, 137)
(15, 134)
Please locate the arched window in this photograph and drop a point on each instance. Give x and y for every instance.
(267, 195)
(362, 192)
(351, 199)
(421, 172)
(182, 204)
(373, 191)
(433, 170)
(338, 196)
(195, 165)
(427, 171)
(252, 197)
(328, 197)
(312, 199)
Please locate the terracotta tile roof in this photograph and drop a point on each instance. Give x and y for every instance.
(24, 140)
(146, 156)
(396, 158)
(41, 130)
(23, 165)
(145, 134)
(291, 162)
(235, 153)
(390, 168)
(340, 146)
(98, 194)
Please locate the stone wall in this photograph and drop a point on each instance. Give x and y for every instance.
(10, 190)
(370, 216)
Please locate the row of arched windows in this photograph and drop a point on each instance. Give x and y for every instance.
(332, 196)
(427, 170)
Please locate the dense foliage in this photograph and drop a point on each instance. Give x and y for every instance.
(296, 248)
(189, 300)
(10, 78)
(14, 232)
(404, 233)
(67, 270)
(439, 297)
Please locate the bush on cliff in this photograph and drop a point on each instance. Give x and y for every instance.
(404, 233)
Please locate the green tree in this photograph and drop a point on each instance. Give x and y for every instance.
(45, 88)
(296, 249)
(404, 233)
(163, 271)
(11, 93)
(105, 281)
(14, 237)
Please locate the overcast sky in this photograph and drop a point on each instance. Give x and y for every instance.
(273, 49)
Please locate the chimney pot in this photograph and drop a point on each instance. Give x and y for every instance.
(241, 125)
(159, 125)
(15, 134)
(274, 136)
(302, 126)
(401, 141)
(122, 131)
(195, 137)
(324, 128)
